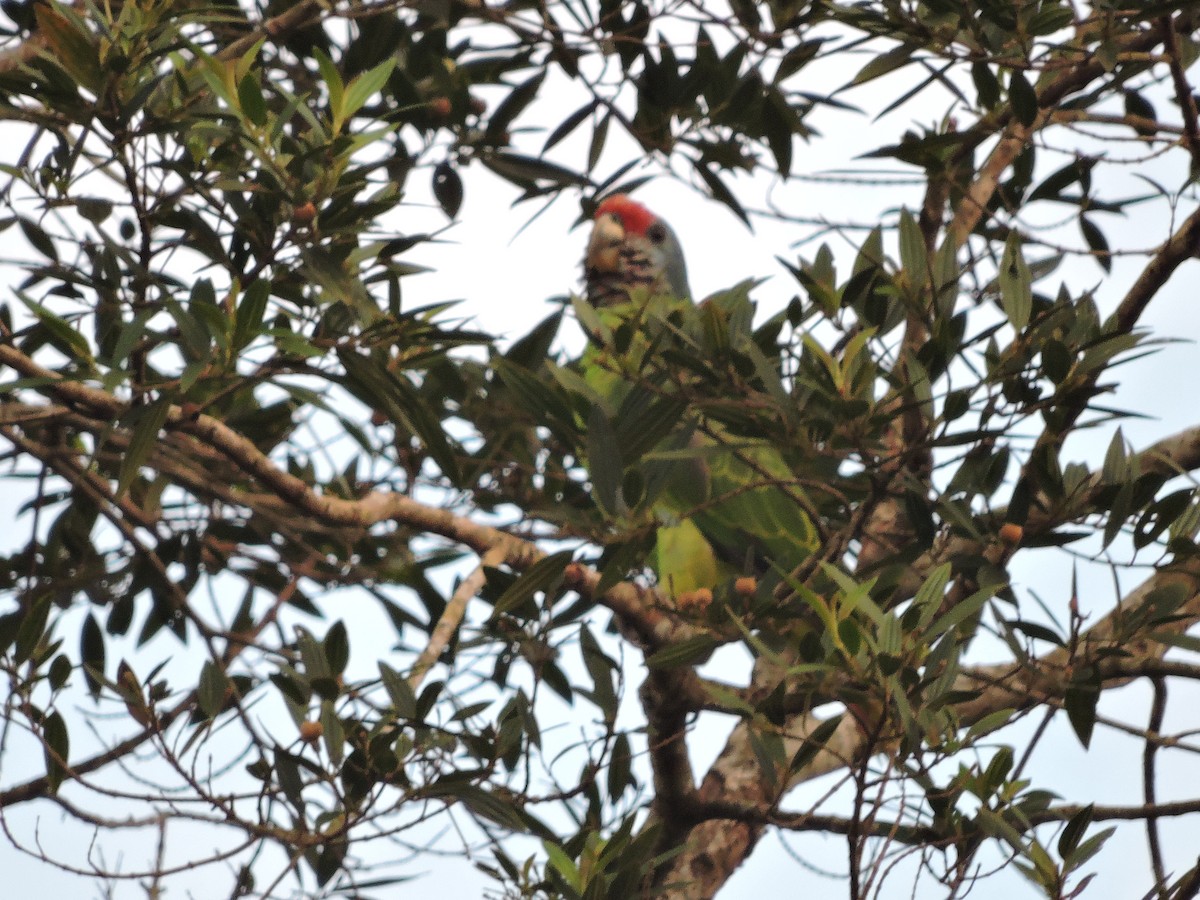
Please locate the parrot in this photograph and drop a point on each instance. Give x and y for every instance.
(726, 506)
(630, 247)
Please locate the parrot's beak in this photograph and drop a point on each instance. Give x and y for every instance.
(604, 247)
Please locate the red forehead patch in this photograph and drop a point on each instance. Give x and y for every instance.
(635, 217)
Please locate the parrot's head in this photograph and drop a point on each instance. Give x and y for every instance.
(631, 247)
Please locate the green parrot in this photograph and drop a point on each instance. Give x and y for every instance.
(724, 506)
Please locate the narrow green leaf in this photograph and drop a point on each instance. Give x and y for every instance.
(987, 86)
(599, 138)
(563, 865)
(512, 105)
(930, 594)
(1074, 831)
(287, 773)
(57, 749)
(569, 124)
(1116, 467)
(337, 648)
(37, 236)
(92, 654)
(364, 85)
(144, 423)
(692, 650)
(913, 256)
(541, 576)
(333, 84)
(400, 692)
(332, 732)
(1096, 242)
(604, 461)
(1080, 703)
(250, 311)
(719, 190)
(881, 65)
(960, 612)
(1023, 98)
(813, 744)
(1016, 283)
(213, 689)
(250, 97)
(70, 341)
(989, 723)
(33, 627)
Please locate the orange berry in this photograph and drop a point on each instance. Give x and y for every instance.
(1011, 533)
(304, 214)
(310, 732)
(698, 600)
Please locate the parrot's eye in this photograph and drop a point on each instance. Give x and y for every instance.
(657, 233)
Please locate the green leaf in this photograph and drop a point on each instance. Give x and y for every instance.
(529, 171)
(70, 341)
(57, 749)
(447, 188)
(931, 593)
(1016, 283)
(569, 124)
(1050, 18)
(94, 209)
(60, 671)
(250, 311)
(400, 692)
(913, 256)
(620, 768)
(333, 84)
(989, 723)
(92, 654)
(362, 87)
(543, 575)
(33, 627)
(960, 612)
(563, 865)
(337, 648)
(213, 689)
(381, 388)
(719, 190)
(250, 98)
(987, 86)
(1023, 98)
(896, 58)
(1116, 466)
(512, 106)
(332, 732)
(692, 650)
(778, 122)
(1074, 831)
(144, 423)
(1080, 703)
(604, 462)
(287, 773)
(1138, 105)
(814, 743)
(1096, 242)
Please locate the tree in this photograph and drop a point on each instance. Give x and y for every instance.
(230, 436)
